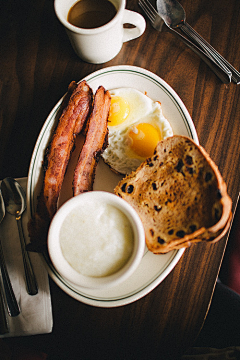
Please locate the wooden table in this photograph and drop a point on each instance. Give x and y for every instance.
(37, 63)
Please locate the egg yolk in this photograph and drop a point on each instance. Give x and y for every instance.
(119, 111)
(144, 139)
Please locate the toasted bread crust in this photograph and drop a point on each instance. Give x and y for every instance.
(179, 195)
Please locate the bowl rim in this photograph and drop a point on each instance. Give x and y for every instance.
(61, 264)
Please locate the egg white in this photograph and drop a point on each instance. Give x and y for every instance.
(119, 155)
(139, 106)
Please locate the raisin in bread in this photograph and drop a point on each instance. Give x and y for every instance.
(179, 195)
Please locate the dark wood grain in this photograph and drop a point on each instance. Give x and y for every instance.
(36, 65)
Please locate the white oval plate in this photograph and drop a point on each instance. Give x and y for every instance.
(153, 268)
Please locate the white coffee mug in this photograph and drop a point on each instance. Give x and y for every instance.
(99, 45)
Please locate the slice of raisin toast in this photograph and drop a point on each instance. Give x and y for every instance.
(179, 195)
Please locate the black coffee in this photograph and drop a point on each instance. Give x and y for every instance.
(90, 14)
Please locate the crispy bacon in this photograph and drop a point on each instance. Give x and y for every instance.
(71, 122)
(95, 143)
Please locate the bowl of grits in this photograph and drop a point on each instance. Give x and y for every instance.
(96, 240)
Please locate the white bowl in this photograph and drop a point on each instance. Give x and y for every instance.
(90, 200)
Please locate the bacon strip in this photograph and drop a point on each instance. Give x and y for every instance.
(95, 143)
(57, 158)
(70, 124)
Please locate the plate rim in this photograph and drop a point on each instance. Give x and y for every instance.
(124, 300)
(177, 254)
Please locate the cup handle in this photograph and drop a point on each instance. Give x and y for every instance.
(135, 19)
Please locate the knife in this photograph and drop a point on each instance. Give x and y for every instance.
(157, 23)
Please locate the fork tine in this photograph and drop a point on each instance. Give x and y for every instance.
(152, 14)
(151, 8)
(145, 9)
(148, 9)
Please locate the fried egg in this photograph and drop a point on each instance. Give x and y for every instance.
(136, 124)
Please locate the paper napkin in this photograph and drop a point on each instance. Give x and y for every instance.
(36, 311)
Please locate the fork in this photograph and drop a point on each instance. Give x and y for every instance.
(174, 16)
(157, 23)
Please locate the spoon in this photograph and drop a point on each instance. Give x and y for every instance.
(157, 23)
(13, 308)
(15, 202)
(174, 16)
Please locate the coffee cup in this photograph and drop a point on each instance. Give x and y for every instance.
(102, 43)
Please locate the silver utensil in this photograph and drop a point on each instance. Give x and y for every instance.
(157, 23)
(4, 329)
(174, 16)
(15, 202)
(12, 304)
